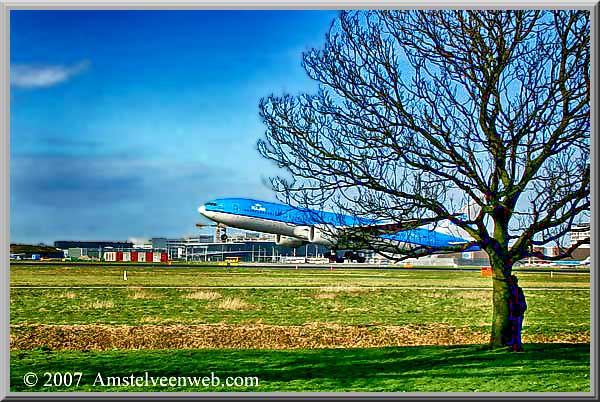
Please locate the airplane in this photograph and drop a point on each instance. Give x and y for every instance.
(295, 227)
(585, 261)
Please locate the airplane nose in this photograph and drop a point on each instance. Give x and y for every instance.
(202, 209)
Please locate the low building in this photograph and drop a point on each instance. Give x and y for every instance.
(581, 232)
(247, 251)
(66, 244)
(27, 251)
(92, 250)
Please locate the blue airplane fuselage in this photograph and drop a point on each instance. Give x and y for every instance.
(300, 223)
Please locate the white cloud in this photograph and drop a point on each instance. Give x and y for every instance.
(30, 76)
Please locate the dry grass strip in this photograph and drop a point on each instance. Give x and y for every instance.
(344, 289)
(255, 336)
(330, 292)
(233, 303)
(100, 304)
(325, 295)
(141, 293)
(203, 295)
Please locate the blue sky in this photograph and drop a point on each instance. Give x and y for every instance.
(124, 122)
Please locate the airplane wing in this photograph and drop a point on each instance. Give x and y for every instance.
(430, 238)
(390, 228)
(445, 237)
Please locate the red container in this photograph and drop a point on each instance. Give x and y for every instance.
(119, 256)
(148, 256)
(134, 255)
(163, 257)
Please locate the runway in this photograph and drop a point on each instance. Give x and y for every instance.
(333, 266)
(323, 288)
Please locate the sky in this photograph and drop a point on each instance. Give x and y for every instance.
(122, 123)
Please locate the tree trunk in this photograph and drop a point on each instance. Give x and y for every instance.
(500, 324)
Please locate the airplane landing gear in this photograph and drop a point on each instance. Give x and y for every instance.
(350, 256)
(330, 255)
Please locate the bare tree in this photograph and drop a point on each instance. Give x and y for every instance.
(421, 112)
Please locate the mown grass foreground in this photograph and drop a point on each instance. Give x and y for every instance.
(541, 368)
(296, 330)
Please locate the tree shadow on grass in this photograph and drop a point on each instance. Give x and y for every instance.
(412, 364)
(541, 367)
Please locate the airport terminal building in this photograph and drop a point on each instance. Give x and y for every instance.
(200, 248)
(259, 247)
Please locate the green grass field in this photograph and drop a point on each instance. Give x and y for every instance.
(541, 368)
(548, 310)
(446, 313)
(40, 275)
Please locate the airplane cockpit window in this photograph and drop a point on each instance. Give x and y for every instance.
(212, 204)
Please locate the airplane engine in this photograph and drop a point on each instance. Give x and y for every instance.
(287, 241)
(325, 235)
